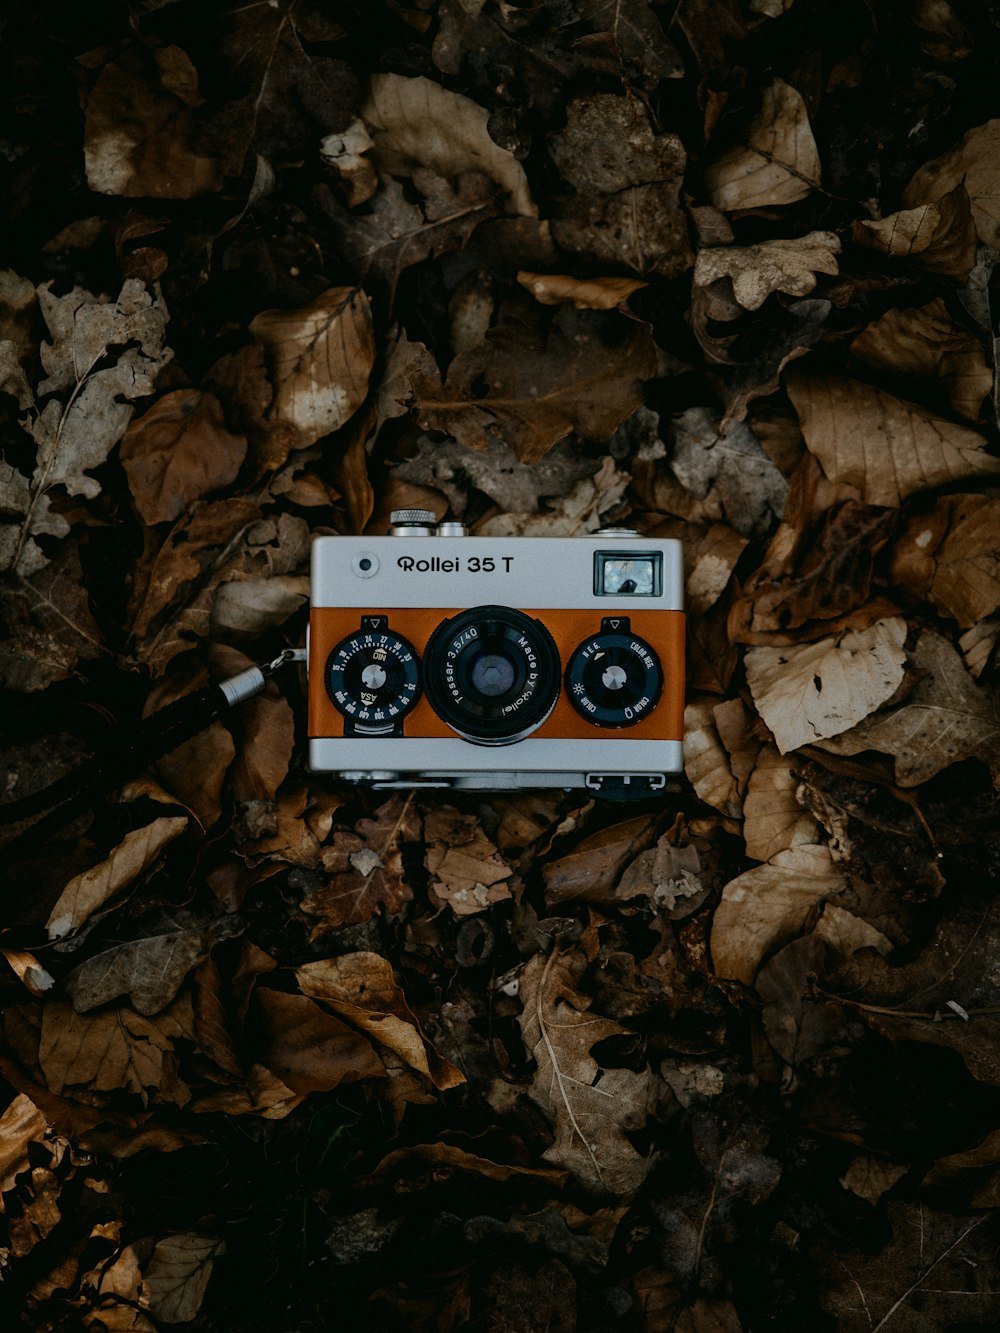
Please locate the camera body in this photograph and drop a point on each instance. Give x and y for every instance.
(440, 659)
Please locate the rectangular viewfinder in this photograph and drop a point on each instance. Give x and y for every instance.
(638, 574)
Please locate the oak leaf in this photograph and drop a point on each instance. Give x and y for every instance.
(320, 359)
(468, 871)
(940, 236)
(810, 691)
(975, 163)
(21, 1125)
(778, 164)
(756, 271)
(951, 556)
(886, 447)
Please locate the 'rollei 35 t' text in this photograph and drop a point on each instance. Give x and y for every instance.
(473, 564)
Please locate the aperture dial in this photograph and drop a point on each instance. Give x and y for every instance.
(614, 679)
(373, 678)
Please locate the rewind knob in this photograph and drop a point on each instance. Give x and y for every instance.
(614, 679)
(373, 677)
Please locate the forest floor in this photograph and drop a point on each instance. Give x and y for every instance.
(281, 1054)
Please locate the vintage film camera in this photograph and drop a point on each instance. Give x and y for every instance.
(440, 659)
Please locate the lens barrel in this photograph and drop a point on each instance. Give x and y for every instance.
(492, 673)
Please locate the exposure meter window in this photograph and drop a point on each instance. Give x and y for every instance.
(636, 574)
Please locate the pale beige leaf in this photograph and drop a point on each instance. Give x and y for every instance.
(773, 266)
(886, 447)
(767, 905)
(773, 820)
(244, 608)
(974, 162)
(947, 718)
(346, 152)
(320, 358)
(706, 762)
(940, 237)
(979, 643)
(416, 123)
(91, 889)
(925, 342)
(846, 933)
(177, 1274)
(808, 691)
(20, 1125)
(584, 293)
(779, 163)
(709, 564)
(468, 871)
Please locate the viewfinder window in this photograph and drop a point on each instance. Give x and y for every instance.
(633, 575)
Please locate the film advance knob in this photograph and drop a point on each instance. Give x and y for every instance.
(412, 523)
(614, 678)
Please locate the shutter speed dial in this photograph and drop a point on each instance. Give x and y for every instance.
(372, 677)
(614, 679)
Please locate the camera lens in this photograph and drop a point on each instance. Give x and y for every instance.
(492, 673)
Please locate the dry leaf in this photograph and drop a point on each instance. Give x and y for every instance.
(926, 343)
(308, 1049)
(346, 153)
(978, 645)
(361, 988)
(884, 446)
(133, 856)
(579, 511)
(945, 719)
(940, 237)
(416, 123)
(103, 356)
(29, 970)
(583, 293)
(846, 933)
(870, 1177)
(21, 1124)
(591, 1106)
(773, 820)
(468, 872)
(724, 467)
(951, 557)
(320, 359)
(709, 560)
(116, 1050)
(149, 970)
(767, 905)
(806, 692)
(756, 271)
(975, 163)
(592, 870)
(177, 452)
(177, 1274)
(139, 120)
(779, 162)
(48, 625)
(706, 761)
(535, 380)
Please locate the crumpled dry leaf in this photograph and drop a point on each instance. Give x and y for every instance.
(978, 645)
(870, 1177)
(951, 557)
(48, 625)
(625, 204)
(177, 1274)
(725, 467)
(975, 163)
(346, 153)
(926, 343)
(756, 271)
(940, 236)
(139, 118)
(779, 163)
(591, 1106)
(846, 933)
(773, 820)
(706, 761)
(87, 892)
(365, 868)
(29, 970)
(806, 692)
(361, 988)
(320, 359)
(544, 377)
(884, 446)
(797, 1025)
(86, 409)
(468, 871)
(417, 123)
(591, 871)
(945, 719)
(114, 1050)
(178, 451)
(307, 1048)
(768, 904)
(21, 1124)
(195, 771)
(583, 293)
(579, 511)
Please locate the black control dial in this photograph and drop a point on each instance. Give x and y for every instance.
(373, 677)
(614, 679)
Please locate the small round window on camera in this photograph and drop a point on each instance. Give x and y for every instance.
(365, 564)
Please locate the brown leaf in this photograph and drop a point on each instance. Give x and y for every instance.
(706, 761)
(591, 1106)
(583, 293)
(175, 1279)
(975, 163)
(945, 719)
(582, 371)
(87, 892)
(773, 820)
(468, 872)
(361, 988)
(926, 343)
(806, 692)
(884, 446)
(48, 625)
(797, 1026)
(116, 1050)
(592, 870)
(29, 970)
(308, 1049)
(779, 163)
(150, 971)
(940, 236)
(756, 271)
(951, 557)
(846, 933)
(320, 359)
(416, 123)
(450, 1157)
(346, 153)
(195, 771)
(21, 1125)
(978, 645)
(177, 452)
(365, 869)
(138, 124)
(724, 467)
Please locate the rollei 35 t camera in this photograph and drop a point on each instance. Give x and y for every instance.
(440, 659)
